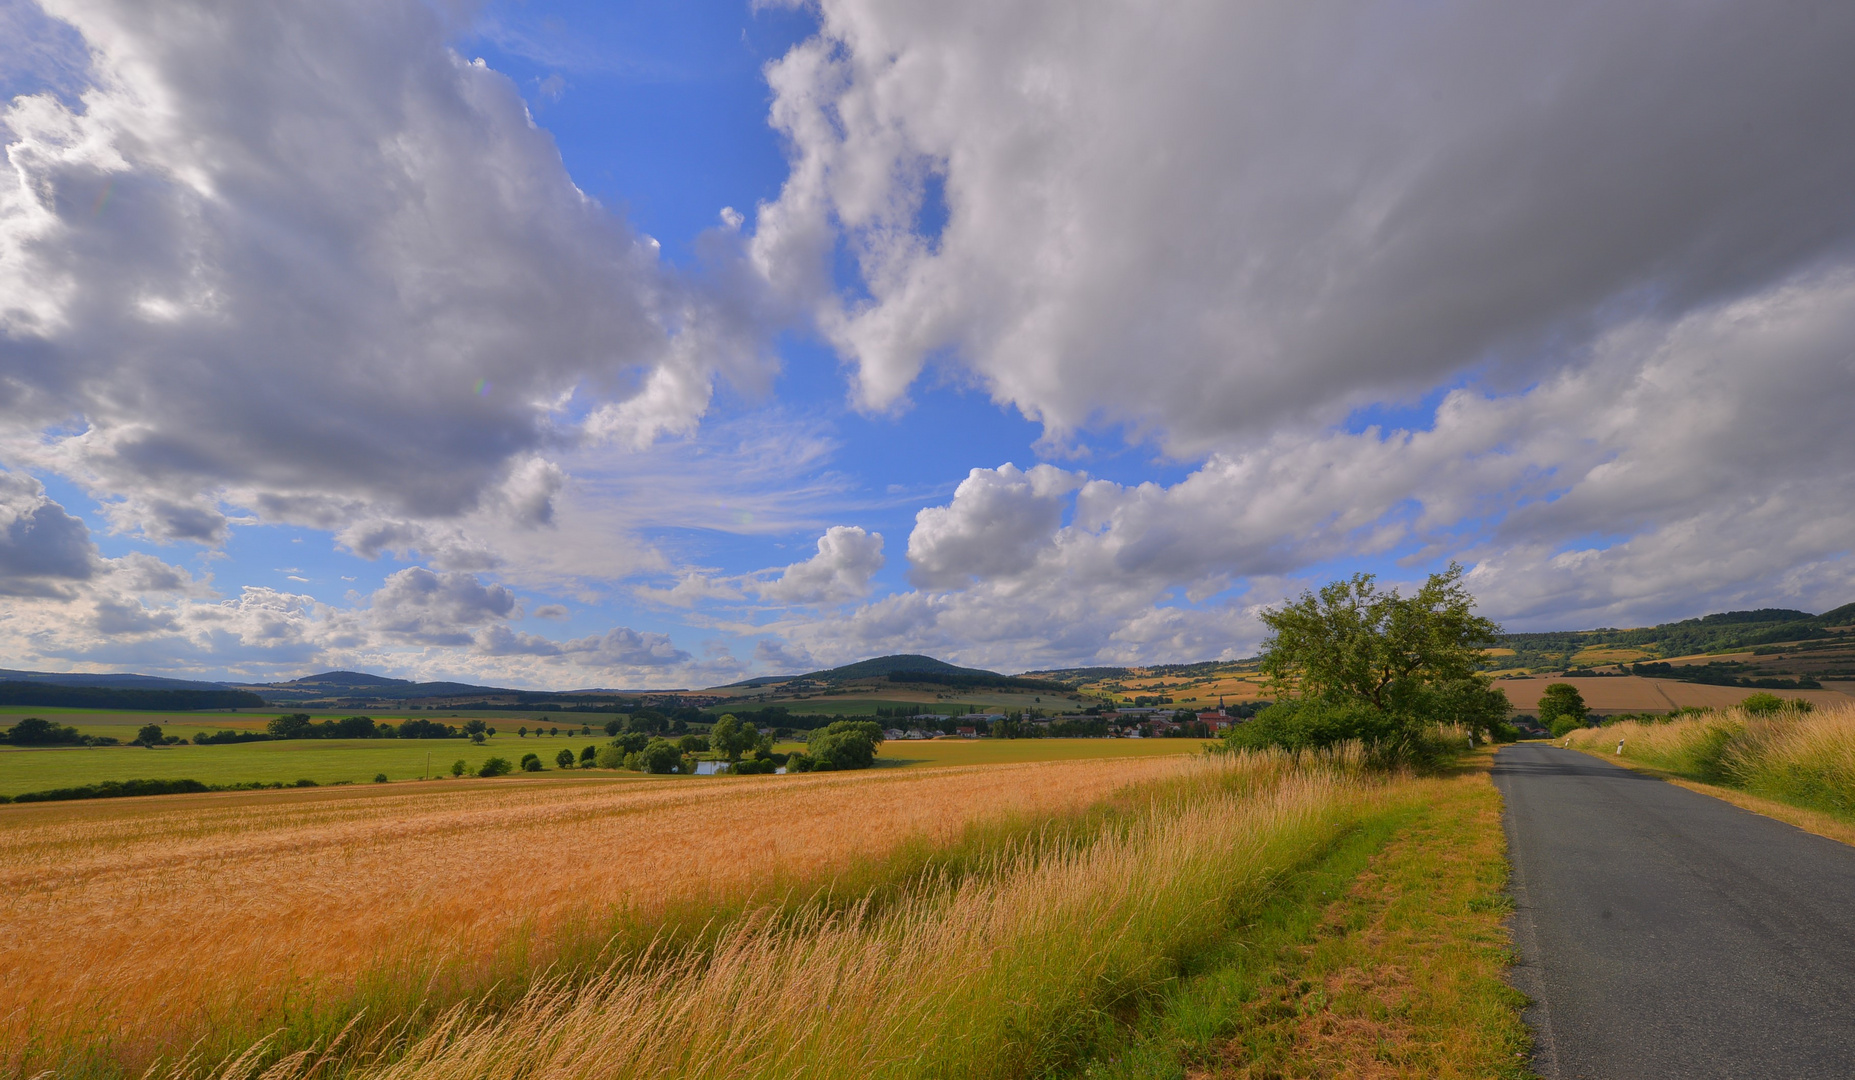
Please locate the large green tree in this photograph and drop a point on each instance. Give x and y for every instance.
(1562, 709)
(1408, 660)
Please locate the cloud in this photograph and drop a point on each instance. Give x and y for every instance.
(417, 605)
(302, 259)
(42, 548)
(998, 520)
(847, 559)
(1241, 215)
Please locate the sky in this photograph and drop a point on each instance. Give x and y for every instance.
(565, 344)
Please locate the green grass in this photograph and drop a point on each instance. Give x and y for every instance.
(1384, 959)
(122, 723)
(326, 761)
(329, 761)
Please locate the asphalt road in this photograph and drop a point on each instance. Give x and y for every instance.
(1668, 934)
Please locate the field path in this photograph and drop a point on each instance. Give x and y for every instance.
(1668, 934)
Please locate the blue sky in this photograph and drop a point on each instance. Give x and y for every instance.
(561, 344)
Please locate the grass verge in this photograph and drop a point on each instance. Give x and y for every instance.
(1384, 960)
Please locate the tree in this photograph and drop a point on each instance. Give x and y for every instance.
(610, 757)
(531, 762)
(727, 737)
(659, 756)
(564, 759)
(1562, 709)
(613, 727)
(845, 744)
(521, 732)
(1358, 662)
(496, 766)
(1355, 642)
(149, 735)
(380, 778)
(475, 727)
(588, 754)
(293, 726)
(458, 767)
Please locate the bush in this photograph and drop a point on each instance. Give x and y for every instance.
(587, 755)
(1314, 725)
(531, 762)
(226, 736)
(458, 767)
(380, 778)
(610, 757)
(496, 766)
(1765, 704)
(114, 789)
(564, 759)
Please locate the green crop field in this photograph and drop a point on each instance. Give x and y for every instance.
(326, 761)
(329, 761)
(123, 723)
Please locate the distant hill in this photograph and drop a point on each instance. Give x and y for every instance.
(357, 684)
(54, 695)
(1721, 632)
(902, 668)
(123, 681)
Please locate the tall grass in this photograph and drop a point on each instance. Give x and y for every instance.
(1020, 963)
(133, 929)
(1806, 759)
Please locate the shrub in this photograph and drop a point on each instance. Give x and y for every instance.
(1313, 725)
(380, 778)
(531, 762)
(610, 757)
(564, 759)
(588, 754)
(496, 766)
(1767, 704)
(458, 767)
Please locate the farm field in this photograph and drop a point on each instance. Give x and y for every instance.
(1632, 693)
(326, 761)
(999, 751)
(160, 920)
(358, 761)
(122, 723)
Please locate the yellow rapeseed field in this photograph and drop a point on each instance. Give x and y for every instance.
(134, 927)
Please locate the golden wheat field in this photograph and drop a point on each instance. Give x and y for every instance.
(138, 924)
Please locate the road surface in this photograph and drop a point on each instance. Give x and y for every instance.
(1664, 933)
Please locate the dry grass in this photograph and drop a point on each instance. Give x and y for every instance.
(1806, 759)
(1009, 970)
(135, 926)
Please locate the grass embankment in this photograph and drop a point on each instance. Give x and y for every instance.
(858, 924)
(1385, 960)
(1804, 760)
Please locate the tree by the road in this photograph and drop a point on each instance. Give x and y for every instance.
(1562, 709)
(1358, 662)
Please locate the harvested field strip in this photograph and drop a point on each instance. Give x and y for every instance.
(1384, 961)
(134, 927)
(1027, 963)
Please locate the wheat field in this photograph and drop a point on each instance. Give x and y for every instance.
(1006, 971)
(132, 928)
